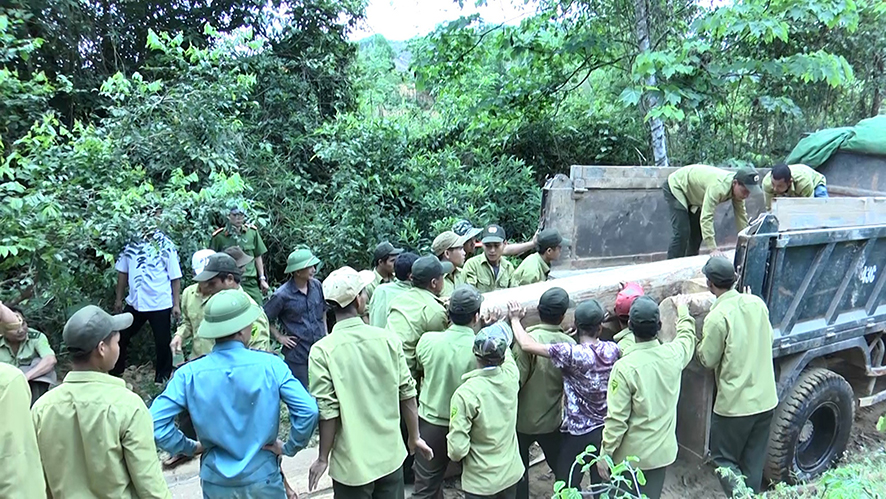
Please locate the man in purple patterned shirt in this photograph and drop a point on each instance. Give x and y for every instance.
(586, 367)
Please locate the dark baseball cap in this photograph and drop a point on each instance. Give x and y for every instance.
(550, 238)
(465, 299)
(384, 250)
(719, 270)
(749, 178)
(236, 210)
(491, 343)
(90, 325)
(589, 314)
(216, 264)
(553, 302)
(429, 267)
(493, 234)
(644, 311)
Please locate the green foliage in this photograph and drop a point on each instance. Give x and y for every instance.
(623, 476)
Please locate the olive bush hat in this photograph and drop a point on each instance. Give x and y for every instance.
(447, 240)
(226, 313)
(299, 259)
(343, 285)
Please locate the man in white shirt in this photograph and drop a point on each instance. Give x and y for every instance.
(151, 270)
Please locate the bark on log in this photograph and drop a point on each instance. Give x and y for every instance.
(699, 306)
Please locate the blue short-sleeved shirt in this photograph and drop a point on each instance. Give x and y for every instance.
(301, 316)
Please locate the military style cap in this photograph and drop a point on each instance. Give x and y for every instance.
(589, 314)
(553, 302)
(299, 259)
(236, 210)
(491, 343)
(90, 325)
(465, 299)
(447, 240)
(626, 297)
(749, 178)
(239, 256)
(429, 267)
(344, 285)
(226, 313)
(493, 234)
(217, 263)
(198, 261)
(384, 250)
(719, 270)
(464, 228)
(550, 238)
(644, 311)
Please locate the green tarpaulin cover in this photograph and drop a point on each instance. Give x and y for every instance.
(867, 137)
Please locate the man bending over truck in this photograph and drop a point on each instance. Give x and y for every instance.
(793, 181)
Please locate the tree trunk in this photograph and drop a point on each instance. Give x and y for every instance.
(649, 101)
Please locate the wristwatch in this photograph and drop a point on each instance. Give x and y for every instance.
(262, 278)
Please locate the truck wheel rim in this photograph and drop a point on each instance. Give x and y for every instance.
(816, 440)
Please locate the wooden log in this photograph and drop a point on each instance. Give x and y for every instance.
(659, 280)
(693, 286)
(815, 213)
(699, 306)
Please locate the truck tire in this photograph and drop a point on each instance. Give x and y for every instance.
(810, 427)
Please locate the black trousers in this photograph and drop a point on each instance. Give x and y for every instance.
(429, 474)
(386, 487)
(572, 447)
(550, 444)
(740, 445)
(685, 227)
(508, 493)
(655, 480)
(300, 372)
(161, 326)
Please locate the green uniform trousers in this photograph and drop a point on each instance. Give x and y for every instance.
(429, 474)
(386, 487)
(740, 444)
(508, 493)
(250, 286)
(685, 225)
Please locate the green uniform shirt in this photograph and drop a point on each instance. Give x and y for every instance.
(804, 180)
(481, 430)
(370, 288)
(533, 269)
(192, 303)
(479, 274)
(251, 243)
(626, 341)
(379, 305)
(412, 314)
(34, 346)
(704, 187)
(737, 344)
(22, 477)
(359, 375)
(541, 384)
(443, 358)
(642, 399)
(96, 439)
(450, 281)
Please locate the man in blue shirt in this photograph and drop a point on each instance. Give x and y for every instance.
(233, 395)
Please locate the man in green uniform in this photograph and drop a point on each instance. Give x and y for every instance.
(541, 386)
(464, 228)
(793, 181)
(363, 388)
(238, 233)
(642, 396)
(29, 350)
(737, 344)
(693, 193)
(536, 267)
(489, 271)
(449, 247)
(383, 260)
(419, 310)
(96, 437)
(483, 413)
(379, 305)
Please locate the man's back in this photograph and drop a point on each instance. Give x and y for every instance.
(541, 384)
(96, 440)
(412, 314)
(379, 304)
(443, 358)
(23, 479)
(531, 270)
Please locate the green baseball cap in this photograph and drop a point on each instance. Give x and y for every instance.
(430, 267)
(299, 259)
(226, 313)
(491, 343)
(644, 311)
(719, 270)
(446, 241)
(465, 299)
(384, 250)
(90, 325)
(493, 234)
(749, 178)
(216, 264)
(553, 302)
(550, 238)
(589, 314)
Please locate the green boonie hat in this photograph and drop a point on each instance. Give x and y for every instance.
(493, 234)
(226, 313)
(343, 285)
(241, 258)
(299, 259)
(430, 267)
(644, 310)
(550, 238)
(384, 250)
(491, 343)
(553, 302)
(465, 299)
(719, 270)
(749, 178)
(215, 264)
(589, 314)
(90, 325)
(446, 241)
